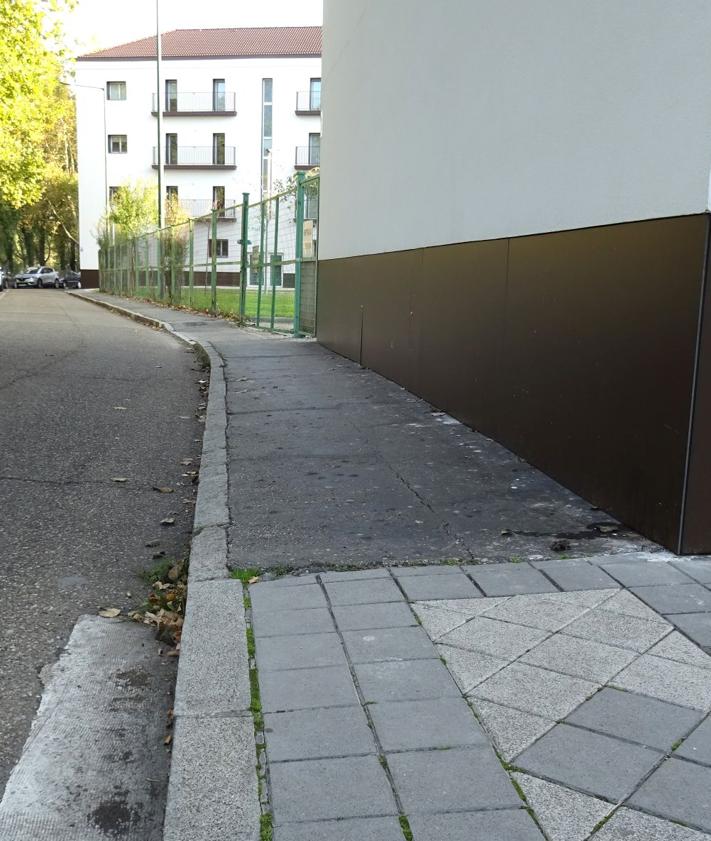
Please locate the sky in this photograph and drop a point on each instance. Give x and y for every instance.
(94, 24)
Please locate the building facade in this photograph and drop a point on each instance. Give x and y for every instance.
(527, 243)
(241, 112)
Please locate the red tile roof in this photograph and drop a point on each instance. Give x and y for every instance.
(263, 42)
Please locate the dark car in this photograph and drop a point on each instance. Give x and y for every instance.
(71, 280)
(37, 277)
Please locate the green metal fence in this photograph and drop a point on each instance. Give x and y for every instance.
(258, 262)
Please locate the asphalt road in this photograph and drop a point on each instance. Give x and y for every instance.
(85, 397)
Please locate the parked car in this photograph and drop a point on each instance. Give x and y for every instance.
(37, 277)
(5, 279)
(71, 280)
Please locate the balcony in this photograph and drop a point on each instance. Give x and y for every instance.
(201, 209)
(307, 157)
(308, 103)
(198, 157)
(198, 104)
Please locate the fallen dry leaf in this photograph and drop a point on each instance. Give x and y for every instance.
(110, 612)
(162, 489)
(120, 408)
(253, 580)
(169, 521)
(168, 739)
(119, 479)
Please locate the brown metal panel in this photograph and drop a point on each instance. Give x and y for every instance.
(696, 529)
(339, 314)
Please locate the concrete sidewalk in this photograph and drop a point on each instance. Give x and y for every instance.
(461, 682)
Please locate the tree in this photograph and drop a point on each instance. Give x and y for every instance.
(134, 210)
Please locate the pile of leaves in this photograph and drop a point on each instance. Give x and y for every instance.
(165, 606)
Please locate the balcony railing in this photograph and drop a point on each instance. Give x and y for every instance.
(202, 209)
(191, 103)
(198, 157)
(307, 157)
(308, 102)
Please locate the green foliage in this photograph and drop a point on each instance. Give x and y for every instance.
(134, 210)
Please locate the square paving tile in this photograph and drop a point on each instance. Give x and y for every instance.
(698, 745)
(629, 825)
(546, 612)
(679, 648)
(448, 780)
(694, 625)
(678, 790)
(356, 617)
(469, 607)
(408, 680)
(269, 596)
(470, 668)
(429, 569)
(367, 591)
(302, 652)
(506, 825)
(323, 789)
(354, 575)
(576, 575)
(596, 764)
(677, 683)
(388, 644)
(297, 689)
(439, 723)
(512, 730)
(647, 721)
(638, 575)
(509, 579)
(626, 603)
(352, 829)
(498, 639)
(277, 623)
(438, 622)
(699, 570)
(457, 586)
(676, 598)
(617, 630)
(318, 733)
(534, 690)
(582, 658)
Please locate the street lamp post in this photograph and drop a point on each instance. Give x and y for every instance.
(159, 109)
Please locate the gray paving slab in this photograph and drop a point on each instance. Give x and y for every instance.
(697, 568)
(593, 763)
(696, 626)
(639, 575)
(435, 723)
(630, 825)
(507, 825)
(575, 575)
(438, 622)
(618, 630)
(546, 612)
(351, 829)
(303, 652)
(646, 721)
(677, 683)
(381, 644)
(512, 730)
(280, 623)
(408, 680)
(498, 639)
(509, 579)
(536, 691)
(358, 617)
(627, 604)
(679, 648)
(323, 789)
(427, 569)
(470, 668)
(355, 574)
(365, 591)
(582, 658)
(679, 791)
(469, 607)
(676, 598)
(455, 586)
(698, 746)
(318, 733)
(269, 596)
(460, 779)
(328, 686)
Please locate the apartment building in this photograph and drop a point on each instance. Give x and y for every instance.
(241, 112)
(531, 246)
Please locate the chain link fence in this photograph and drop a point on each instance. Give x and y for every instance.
(256, 262)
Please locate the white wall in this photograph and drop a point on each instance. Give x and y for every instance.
(133, 117)
(477, 119)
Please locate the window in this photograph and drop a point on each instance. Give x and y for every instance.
(314, 149)
(116, 90)
(218, 94)
(315, 95)
(267, 90)
(218, 149)
(171, 149)
(222, 248)
(218, 198)
(171, 94)
(118, 144)
(171, 192)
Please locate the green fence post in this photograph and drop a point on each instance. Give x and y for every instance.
(213, 265)
(244, 255)
(299, 251)
(191, 258)
(275, 261)
(260, 266)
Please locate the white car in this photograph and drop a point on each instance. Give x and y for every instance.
(37, 277)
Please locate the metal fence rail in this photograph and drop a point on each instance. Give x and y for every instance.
(256, 262)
